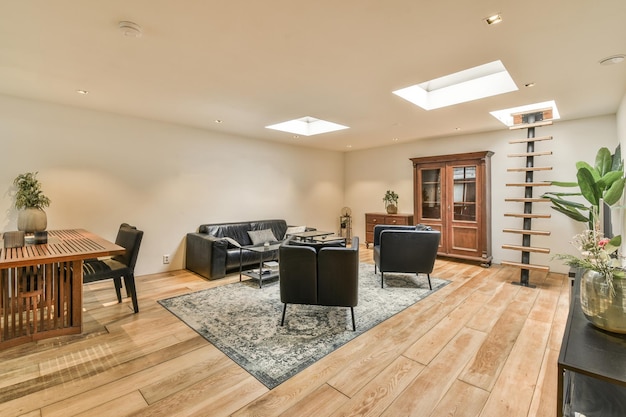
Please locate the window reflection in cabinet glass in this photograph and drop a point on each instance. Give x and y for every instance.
(431, 193)
(464, 193)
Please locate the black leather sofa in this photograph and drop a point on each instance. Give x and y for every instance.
(214, 250)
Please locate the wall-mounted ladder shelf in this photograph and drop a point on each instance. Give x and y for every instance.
(528, 121)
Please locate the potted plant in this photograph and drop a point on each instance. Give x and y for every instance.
(603, 279)
(30, 201)
(391, 201)
(602, 182)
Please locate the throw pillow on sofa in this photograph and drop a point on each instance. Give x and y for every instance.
(232, 243)
(259, 237)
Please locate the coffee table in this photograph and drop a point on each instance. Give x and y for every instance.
(330, 239)
(310, 235)
(261, 274)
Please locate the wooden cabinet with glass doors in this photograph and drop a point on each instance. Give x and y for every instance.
(452, 194)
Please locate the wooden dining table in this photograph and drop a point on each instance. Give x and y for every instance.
(41, 285)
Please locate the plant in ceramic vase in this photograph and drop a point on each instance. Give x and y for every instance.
(391, 201)
(30, 201)
(603, 281)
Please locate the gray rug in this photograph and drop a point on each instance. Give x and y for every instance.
(243, 321)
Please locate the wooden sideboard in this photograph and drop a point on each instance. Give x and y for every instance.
(372, 219)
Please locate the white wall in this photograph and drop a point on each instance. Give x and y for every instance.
(102, 169)
(370, 173)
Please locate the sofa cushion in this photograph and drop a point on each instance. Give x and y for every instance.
(277, 227)
(232, 243)
(237, 231)
(259, 237)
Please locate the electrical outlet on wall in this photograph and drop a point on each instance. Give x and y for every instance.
(166, 259)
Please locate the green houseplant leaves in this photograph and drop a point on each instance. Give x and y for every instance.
(602, 182)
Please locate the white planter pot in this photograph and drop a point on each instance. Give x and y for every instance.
(32, 220)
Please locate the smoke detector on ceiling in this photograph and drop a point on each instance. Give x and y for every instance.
(130, 29)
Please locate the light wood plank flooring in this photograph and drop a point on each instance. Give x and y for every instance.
(478, 347)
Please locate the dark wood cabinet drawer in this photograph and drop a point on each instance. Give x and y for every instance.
(375, 218)
(372, 219)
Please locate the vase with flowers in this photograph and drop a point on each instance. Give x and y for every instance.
(603, 281)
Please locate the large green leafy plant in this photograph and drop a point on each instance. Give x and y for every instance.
(602, 182)
(29, 193)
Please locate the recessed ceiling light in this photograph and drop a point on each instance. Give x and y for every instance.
(471, 84)
(493, 19)
(348, 146)
(529, 85)
(506, 115)
(307, 126)
(457, 128)
(395, 139)
(296, 136)
(611, 60)
(218, 121)
(83, 92)
(130, 29)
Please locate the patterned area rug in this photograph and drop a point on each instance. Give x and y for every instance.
(243, 321)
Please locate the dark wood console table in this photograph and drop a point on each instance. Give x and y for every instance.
(591, 367)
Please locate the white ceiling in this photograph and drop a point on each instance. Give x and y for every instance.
(252, 63)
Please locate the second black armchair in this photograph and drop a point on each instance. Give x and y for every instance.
(405, 249)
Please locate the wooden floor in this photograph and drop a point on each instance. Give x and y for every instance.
(478, 347)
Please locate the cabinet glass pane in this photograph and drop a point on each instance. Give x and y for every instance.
(464, 193)
(431, 193)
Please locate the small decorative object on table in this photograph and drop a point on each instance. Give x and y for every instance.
(391, 202)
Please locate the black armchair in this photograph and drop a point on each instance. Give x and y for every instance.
(328, 276)
(404, 249)
(119, 266)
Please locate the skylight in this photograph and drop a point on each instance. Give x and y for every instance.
(506, 115)
(307, 126)
(471, 84)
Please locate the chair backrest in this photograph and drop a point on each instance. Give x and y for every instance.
(380, 227)
(297, 269)
(130, 238)
(409, 250)
(338, 275)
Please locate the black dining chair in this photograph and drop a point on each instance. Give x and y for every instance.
(118, 266)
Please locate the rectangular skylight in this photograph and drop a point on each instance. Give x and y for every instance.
(307, 126)
(471, 84)
(506, 115)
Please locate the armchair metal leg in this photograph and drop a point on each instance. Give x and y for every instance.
(353, 324)
(429, 284)
(382, 279)
(282, 320)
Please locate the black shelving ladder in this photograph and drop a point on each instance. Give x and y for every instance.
(528, 121)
